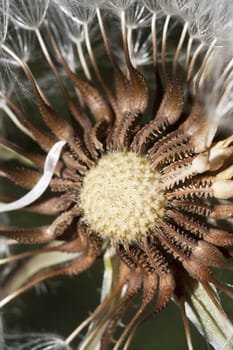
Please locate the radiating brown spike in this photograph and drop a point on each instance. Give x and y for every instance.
(139, 90)
(62, 222)
(47, 206)
(72, 246)
(128, 261)
(36, 159)
(191, 123)
(98, 134)
(73, 164)
(187, 223)
(72, 106)
(172, 104)
(166, 288)
(78, 149)
(169, 112)
(127, 129)
(89, 143)
(122, 86)
(95, 102)
(42, 234)
(219, 238)
(209, 255)
(196, 270)
(58, 125)
(63, 185)
(26, 235)
(193, 207)
(77, 115)
(26, 178)
(222, 211)
(147, 135)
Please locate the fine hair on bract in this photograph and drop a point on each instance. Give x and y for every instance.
(116, 120)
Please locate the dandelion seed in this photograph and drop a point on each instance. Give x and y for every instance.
(136, 167)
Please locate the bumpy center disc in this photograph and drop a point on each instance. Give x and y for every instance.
(121, 196)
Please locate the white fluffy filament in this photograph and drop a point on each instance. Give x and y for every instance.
(49, 168)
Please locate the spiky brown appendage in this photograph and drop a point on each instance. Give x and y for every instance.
(146, 189)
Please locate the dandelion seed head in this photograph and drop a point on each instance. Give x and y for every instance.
(131, 162)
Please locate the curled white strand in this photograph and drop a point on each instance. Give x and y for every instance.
(49, 168)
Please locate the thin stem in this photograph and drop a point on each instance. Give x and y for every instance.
(193, 60)
(224, 95)
(226, 70)
(131, 335)
(178, 49)
(49, 60)
(215, 301)
(219, 285)
(124, 39)
(110, 314)
(164, 46)
(203, 65)
(188, 53)
(27, 72)
(130, 42)
(186, 324)
(23, 289)
(189, 191)
(44, 140)
(91, 53)
(159, 88)
(154, 40)
(96, 68)
(118, 73)
(83, 60)
(227, 82)
(130, 324)
(30, 253)
(99, 309)
(105, 37)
